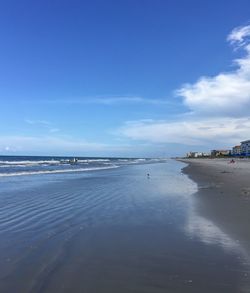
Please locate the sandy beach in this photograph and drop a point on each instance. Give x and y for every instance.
(119, 230)
(224, 194)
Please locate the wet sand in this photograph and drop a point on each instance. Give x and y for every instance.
(224, 194)
(114, 231)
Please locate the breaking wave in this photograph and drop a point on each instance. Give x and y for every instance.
(55, 171)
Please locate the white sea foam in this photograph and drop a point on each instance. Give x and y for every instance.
(93, 160)
(136, 161)
(55, 171)
(29, 163)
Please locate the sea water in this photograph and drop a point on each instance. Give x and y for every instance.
(108, 227)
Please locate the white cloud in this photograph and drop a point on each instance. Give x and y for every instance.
(124, 100)
(42, 124)
(219, 105)
(238, 35)
(108, 100)
(34, 122)
(225, 131)
(227, 93)
(224, 94)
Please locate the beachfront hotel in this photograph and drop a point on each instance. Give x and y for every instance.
(245, 148)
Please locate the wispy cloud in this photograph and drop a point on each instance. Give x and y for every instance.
(107, 100)
(44, 124)
(37, 122)
(239, 36)
(56, 145)
(197, 132)
(129, 100)
(219, 105)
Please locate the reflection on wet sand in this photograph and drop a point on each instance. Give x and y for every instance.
(114, 231)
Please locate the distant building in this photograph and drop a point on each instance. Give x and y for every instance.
(197, 155)
(192, 154)
(245, 148)
(205, 155)
(236, 150)
(219, 153)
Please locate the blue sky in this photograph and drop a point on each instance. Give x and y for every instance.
(123, 78)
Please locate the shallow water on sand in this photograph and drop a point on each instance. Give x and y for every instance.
(113, 231)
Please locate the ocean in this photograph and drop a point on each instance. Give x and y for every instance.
(104, 225)
(33, 165)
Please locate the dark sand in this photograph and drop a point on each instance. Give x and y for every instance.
(224, 194)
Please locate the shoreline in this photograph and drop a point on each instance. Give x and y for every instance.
(223, 194)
